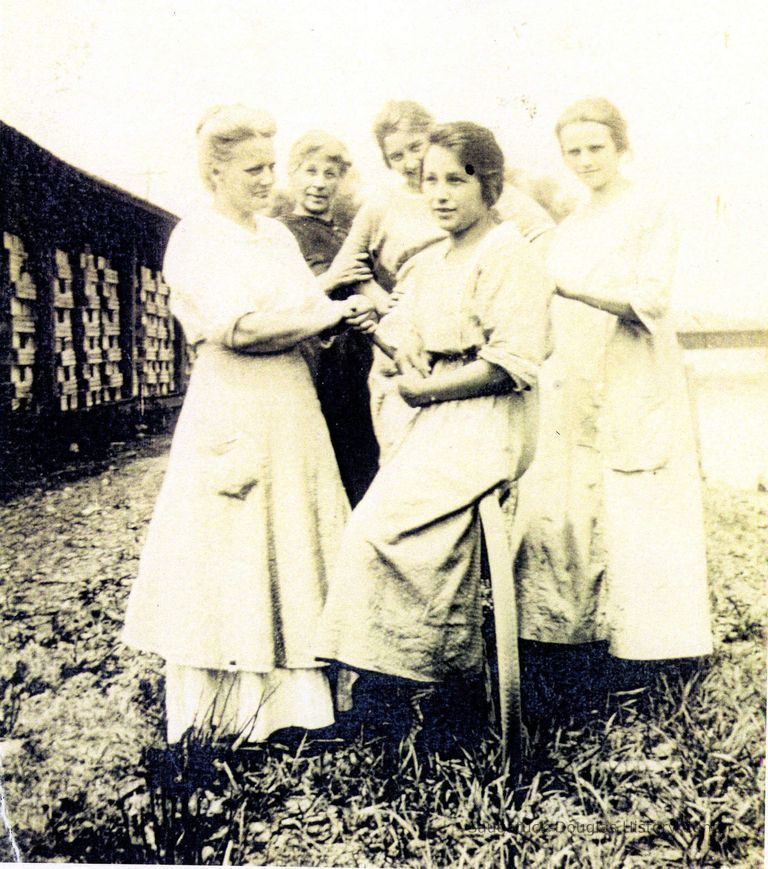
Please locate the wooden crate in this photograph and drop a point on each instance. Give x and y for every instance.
(21, 314)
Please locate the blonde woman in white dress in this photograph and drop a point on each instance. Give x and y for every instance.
(233, 573)
(617, 254)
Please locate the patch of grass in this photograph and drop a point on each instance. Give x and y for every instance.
(657, 766)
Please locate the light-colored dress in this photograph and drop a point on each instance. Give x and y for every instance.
(394, 225)
(656, 602)
(404, 594)
(233, 573)
(559, 558)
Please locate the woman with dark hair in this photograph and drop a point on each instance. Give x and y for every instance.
(468, 337)
(616, 256)
(317, 167)
(395, 224)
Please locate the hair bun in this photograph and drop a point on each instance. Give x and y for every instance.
(221, 118)
(221, 128)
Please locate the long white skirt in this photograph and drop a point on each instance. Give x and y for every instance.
(243, 703)
(657, 598)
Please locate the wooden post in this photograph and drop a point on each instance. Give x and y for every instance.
(78, 327)
(125, 264)
(6, 387)
(693, 402)
(42, 268)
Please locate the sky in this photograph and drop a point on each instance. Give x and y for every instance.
(117, 87)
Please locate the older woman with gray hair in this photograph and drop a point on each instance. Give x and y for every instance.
(317, 165)
(233, 573)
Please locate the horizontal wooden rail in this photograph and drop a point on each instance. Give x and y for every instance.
(723, 339)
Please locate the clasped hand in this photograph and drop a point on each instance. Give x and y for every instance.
(411, 355)
(413, 363)
(360, 314)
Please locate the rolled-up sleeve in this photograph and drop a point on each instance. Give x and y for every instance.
(527, 215)
(217, 282)
(203, 284)
(512, 304)
(359, 238)
(638, 272)
(649, 296)
(396, 326)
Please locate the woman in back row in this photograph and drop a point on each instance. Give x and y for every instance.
(317, 166)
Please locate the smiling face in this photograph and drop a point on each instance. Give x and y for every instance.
(590, 152)
(404, 152)
(242, 184)
(454, 196)
(315, 184)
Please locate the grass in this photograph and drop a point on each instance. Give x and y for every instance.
(657, 767)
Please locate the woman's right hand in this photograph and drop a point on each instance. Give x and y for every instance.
(360, 313)
(358, 272)
(411, 356)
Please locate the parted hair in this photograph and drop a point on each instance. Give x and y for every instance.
(596, 110)
(322, 144)
(478, 151)
(401, 116)
(224, 126)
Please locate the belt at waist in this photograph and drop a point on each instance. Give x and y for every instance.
(468, 355)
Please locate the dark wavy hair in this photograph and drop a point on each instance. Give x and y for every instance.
(478, 151)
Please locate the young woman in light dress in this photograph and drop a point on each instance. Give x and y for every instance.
(394, 225)
(619, 434)
(234, 570)
(468, 336)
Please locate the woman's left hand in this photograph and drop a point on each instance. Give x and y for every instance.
(414, 389)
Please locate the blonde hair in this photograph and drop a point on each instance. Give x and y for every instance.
(401, 116)
(597, 110)
(318, 142)
(224, 126)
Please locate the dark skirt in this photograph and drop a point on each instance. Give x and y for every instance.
(342, 386)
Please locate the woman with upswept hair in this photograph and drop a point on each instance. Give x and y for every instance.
(234, 569)
(318, 165)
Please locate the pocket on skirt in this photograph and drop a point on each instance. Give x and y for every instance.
(235, 465)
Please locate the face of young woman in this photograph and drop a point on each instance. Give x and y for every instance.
(315, 184)
(404, 152)
(590, 152)
(242, 185)
(454, 196)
